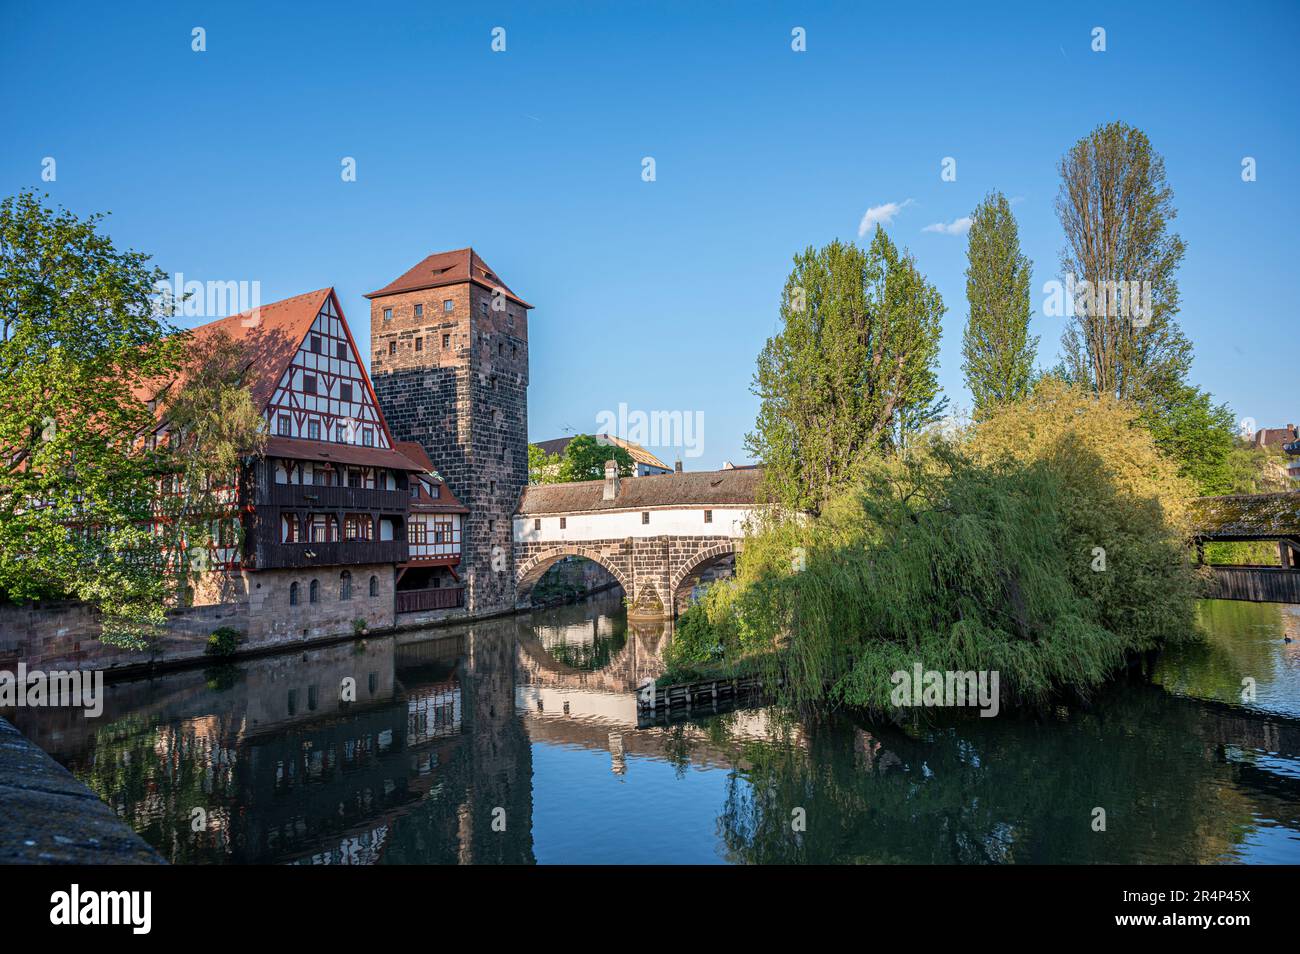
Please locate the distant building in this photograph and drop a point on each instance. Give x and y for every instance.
(647, 464)
(1276, 436)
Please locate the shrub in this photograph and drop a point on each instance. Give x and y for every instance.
(224, 641)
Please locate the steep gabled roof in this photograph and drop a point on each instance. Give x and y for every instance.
(449, 268)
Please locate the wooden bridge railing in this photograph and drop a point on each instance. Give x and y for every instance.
(1259, 584)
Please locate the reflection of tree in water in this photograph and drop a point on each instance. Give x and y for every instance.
(1238, 642)
(1008, 789)
(592, 656)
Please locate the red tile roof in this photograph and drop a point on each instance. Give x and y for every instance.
(447, 502)
(300, 449)
(448, 268)
(270, 335)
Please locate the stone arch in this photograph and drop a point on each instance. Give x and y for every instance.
(723, 547)
(531, 570)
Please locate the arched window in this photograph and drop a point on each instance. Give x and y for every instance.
(313, 592)
(374, 586)
(293, 593)
(345, 585)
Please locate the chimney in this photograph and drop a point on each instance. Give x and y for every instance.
(677, 467)
(611, 480)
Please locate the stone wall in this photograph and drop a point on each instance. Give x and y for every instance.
(65, 635)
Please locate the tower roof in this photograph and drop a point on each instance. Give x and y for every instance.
(448, 268)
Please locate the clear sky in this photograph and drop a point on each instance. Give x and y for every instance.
(225, 165)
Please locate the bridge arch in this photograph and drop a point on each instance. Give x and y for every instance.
(724, 547)
(530, 571)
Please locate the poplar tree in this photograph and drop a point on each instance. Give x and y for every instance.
(997, 347)
(851, 375)
(1115, 206)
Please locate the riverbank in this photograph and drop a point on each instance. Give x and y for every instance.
(51, 818)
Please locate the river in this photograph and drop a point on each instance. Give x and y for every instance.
(517, 741)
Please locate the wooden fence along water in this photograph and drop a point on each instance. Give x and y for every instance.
(656, 703)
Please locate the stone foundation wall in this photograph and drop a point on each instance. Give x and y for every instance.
(65, 635)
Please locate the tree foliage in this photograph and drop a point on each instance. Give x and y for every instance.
(84, 346)
(583, 458)
(851, 374)
(1115, 206)
(997, 347)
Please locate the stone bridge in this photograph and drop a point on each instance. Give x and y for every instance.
(656, 535)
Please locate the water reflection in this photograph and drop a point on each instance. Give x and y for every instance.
(516, 741)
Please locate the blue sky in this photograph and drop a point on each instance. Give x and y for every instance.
(225, 165)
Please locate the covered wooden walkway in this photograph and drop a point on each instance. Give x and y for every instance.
(1244, 518)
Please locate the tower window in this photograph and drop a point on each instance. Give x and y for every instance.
(492, 486)
(388, 314)
(482, 307)
(537, 524)
(501, 347)
(446, 341)
(564, 522)
(419, 344)
(419, 311)
(645, 516)
(392, 347)
(492, 525)
(708, 516)
(448, 305)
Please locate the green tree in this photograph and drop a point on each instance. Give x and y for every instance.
(585, 457)
(543, 468)
(851, 374)
(1115, 206)
(85, 346)
(1198, 434)
(998, 349)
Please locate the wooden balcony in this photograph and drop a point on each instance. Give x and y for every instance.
(435, 598)
(317, 497)
(273, 555)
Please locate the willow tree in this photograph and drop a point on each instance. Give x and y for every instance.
(997, 346)
(851, 374)
(1116, 206)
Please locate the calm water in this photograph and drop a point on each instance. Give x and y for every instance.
(529, 724)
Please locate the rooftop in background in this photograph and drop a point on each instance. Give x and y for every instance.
(638, 453)
(721, 488)
(1247, 517)
(448, 268)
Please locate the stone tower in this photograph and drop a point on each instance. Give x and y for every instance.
(449, 363)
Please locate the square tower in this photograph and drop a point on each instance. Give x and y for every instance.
(449, 364)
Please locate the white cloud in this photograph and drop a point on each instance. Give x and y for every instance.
(955, 227)
(880, 215)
